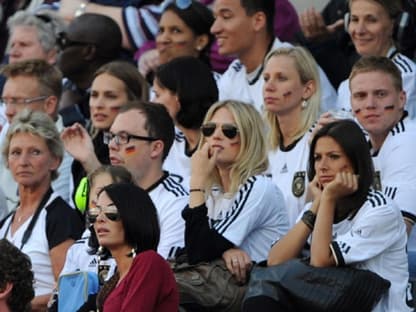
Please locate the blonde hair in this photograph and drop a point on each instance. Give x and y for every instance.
(252, 158)
(39, 124)
(308, 71)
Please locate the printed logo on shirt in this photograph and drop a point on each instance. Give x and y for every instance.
(298, 183)
(284, 169)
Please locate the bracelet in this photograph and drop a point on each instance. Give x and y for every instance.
(196, 190)
(309, 219)
(81, 9)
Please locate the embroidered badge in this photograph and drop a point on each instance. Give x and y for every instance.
(298, 183)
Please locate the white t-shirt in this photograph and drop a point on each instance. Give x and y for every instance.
(289, 172)
(253, 218)
(178, 162)
(234, 84)
(375, 240)
(54, 225)
(408, 70)
(169, 198)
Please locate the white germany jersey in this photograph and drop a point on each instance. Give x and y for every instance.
(288, 171)
(395, 164)
(234, 84)
(375, 240)
(170, 198)
(178, 163)
(408, 70)
(252, 218)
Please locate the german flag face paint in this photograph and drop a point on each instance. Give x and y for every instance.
(130, 150)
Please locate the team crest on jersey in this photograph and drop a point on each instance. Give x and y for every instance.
(103, 270)
(298, 183)
(377, 181)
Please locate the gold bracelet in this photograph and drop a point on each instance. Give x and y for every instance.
(196, 190)
(81, 9)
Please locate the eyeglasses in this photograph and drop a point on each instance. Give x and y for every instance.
(64, 42)
(229, 130)
(183, 4)
(124, 138)
(110, 212)
(21, 101)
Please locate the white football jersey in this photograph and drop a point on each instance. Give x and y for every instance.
(170, 198)
(288, 169)
(178, 162)
(252, 218)
(375, 240)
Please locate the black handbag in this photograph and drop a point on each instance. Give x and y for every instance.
(207, 286)
(303, 287)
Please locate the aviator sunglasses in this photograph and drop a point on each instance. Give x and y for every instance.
(230, 131)
(110, 212)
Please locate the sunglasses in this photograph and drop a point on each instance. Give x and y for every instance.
(229, 130)
(183, 4)
(64, 42)
(110, 212)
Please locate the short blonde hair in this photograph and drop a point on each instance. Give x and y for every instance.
(308, 71)
(39, 124)
(252, 157)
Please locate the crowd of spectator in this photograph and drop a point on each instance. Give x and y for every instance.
(137, 132)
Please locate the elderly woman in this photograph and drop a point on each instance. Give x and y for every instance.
(126, 224)
(371, 25)
(235, 212)
(291, 95)
(43, 226)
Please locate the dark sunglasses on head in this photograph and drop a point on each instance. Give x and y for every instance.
(229, 130)
(64, 42)
(110, 214)
(183, 4)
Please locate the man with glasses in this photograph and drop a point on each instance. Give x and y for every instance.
(139, 140)
(34, 85)
(90, 41)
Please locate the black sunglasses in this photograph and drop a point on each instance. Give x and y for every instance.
(111, 215)
(63, 42)
(229, 130)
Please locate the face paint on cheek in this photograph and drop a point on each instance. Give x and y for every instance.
(130, 150)
(288, 93)
(357, 111)
(389, 107)
(115, 109)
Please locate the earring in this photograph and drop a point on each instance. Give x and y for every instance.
(304, 104)
(132, 253)
(199, 48)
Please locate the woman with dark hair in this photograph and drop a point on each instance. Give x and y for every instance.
(186, 88)
(126, 224)
(114, 84)
(351, 224)
(183, 31)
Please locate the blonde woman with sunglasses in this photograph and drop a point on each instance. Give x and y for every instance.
(235, 211)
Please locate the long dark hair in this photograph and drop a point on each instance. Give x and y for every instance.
(352, 141)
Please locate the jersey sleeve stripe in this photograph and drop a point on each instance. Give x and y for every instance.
(238, 205)
(409, 216)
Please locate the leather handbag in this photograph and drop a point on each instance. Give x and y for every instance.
(207, 286)
(302, 287)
